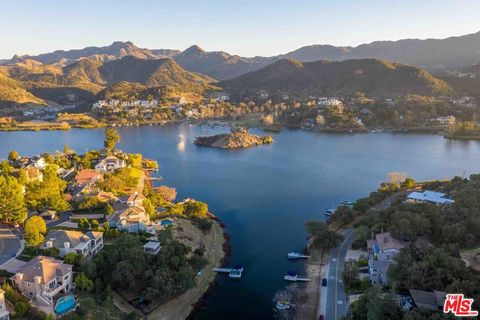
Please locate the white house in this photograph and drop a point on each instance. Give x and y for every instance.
(438, 198)
(324, 101)
(131, 219)
(4, 314)
(66, 241)
(110, 163)
(446, 120)
(152, 247)
(382, 251)
(42, 278)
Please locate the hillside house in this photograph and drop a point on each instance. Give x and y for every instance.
(43, 278)
(110, 163)
(87, 244)
(437, 198)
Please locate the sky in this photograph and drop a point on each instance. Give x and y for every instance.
(244, 27)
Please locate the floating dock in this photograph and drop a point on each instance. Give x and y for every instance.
(296, 255)
(234, 273)
(295, 279)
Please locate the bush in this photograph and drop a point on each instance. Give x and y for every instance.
(21, 308)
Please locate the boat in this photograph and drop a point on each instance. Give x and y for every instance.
(296, 255)
(330, 212)
(347, 202)
(282, 305)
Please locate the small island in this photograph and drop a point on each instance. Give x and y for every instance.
(237, 138)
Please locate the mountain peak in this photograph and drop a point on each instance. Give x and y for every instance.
(195, 49)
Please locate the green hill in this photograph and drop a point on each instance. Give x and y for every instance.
(375, 78)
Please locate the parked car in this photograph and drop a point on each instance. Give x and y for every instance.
(321, 317)
(324, 282)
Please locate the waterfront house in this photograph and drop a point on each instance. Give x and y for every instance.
(34, 174)
(429, 300)
(152, 247)
(110, 163)
(131, 219)
(43, 278)
(426, 196)
(87, 244)
(4, 314)
(135, 199)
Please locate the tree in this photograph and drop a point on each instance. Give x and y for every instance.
(149, 208)
(73, 258)
(408, 183)
(21, 308)
(112, 137)
(83, 224)
(169, 194)
(195, 209)
(321, 235)
(35, 230)
(95, 225)
(13, 156)
(396, 178)
(5, 168)
(12, 205)
(47, 194)
(83, 283)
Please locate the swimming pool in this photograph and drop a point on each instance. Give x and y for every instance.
(65, 305)
(166, 222)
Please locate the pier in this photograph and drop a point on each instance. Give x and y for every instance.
(235, 273)
(296, 255)
(295, 279)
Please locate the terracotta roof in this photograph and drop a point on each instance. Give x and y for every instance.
(47, 268)
(86, 176)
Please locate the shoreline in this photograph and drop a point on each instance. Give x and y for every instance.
(185, 305)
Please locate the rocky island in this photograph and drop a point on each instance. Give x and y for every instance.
(237, 138)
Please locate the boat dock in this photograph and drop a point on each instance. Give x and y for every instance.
(296, 255)
(235, 273)
(295, 279)
(155, 178)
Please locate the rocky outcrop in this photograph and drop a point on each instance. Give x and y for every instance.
(235, 139)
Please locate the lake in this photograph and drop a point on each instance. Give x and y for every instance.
(265, 194)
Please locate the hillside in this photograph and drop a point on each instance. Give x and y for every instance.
(13, 92)
(81, 80)
(218, 64)
(375, 78)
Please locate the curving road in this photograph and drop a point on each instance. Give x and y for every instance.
(9, 244)
(336, 299)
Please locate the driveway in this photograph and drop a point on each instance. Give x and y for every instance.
(9, 244)
(336, 307)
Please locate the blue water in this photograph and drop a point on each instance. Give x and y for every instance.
(65, 305)
(265, 194)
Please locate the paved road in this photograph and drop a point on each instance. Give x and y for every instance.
(9, 244)
(336, 307)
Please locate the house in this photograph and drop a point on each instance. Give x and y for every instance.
(87, 244)
(131, 219)
(4, 314)
(323, 101)
(429, 300)
(87, 177)
(446, 120)
(36, 162)
(135, 199)
(437, 198)
(110, 163)
(262, 94)
(42, 278)
(152, 247)
(382, 251)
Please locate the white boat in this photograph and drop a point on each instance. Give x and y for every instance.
(330, 212)
(293, 255)
(284, 305)
(347, 202)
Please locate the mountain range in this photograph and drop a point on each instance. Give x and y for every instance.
(431, 54)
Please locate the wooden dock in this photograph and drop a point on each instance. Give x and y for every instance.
(295, 279)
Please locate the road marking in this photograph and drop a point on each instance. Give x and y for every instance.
(339, 302)
(334, 259)
(336, 273)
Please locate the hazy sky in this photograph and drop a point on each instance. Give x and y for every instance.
(245, 27)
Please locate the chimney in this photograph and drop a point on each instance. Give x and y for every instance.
(66, 246)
